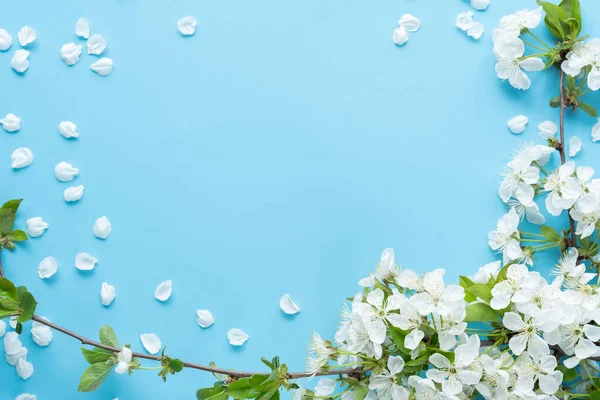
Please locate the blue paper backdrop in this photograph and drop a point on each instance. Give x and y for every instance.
(278, 150)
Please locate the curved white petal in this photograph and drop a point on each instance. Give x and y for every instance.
(65, 172)
(20, 61)
(204, 318)
(26, 35)
(11, 123)
(102, 228)
(237, 337)
(96, 44)
(518, 124)
(287, 305)
(103, 66)
(70, 53)
(5, 40)
(151, 342)
(400, 36)
(68, 129)
(73, 193)
(107, 294)
(36, 227)
(82, 28)
(47, 267)
(187, 25)
(21, 158)
(164, 290)
(410, 22)
(85, 262)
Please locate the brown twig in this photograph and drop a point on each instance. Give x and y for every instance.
(561, 148)
(1, 270)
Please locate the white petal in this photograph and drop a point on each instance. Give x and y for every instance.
(151, 342)
(41, 334)
(480, 5)
(2, 328)
(325, 387)
(164, 290)
(475, 30)
(187, 25)
(11, 123)
(65, 172)
(82, 28)
(21, 158)
(73, 193)
(574, 146)
(518, 124)
(287, 305)
(237, 337)
(596, 131)
(70, 53)
(47, 267)
(410, 22)
(5, 40)
(532, 64)
(464, 20)
(26, 396)
(19, 61)
(24, 369)
(85, 262)
(26, 35)
(36, 226)
(102, 228)
(399, 36)
(107, 294)
(204, 318)
(547, 129)
(96, 44)
(103, 66)
(68, 129)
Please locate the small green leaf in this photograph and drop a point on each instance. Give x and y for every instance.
(213, 393)
(96, 355)
(421, 360)
(398, 336)
(480, 312)
(573, 9)
(12, 205)
(589, 109)
(176, 364)
(7, 220)
(555, 16)
(241, 389)
(257, 380)
(568, 374)
(94, 376)
(17, 236)
(19, 328)
(555, 102)
(550, 233)
(8, 290)
(108, 336)
(27, 303)
(595, 395)
(481, 290)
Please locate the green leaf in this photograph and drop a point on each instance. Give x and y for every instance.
(448, 354)
(555, 102)
(176, 364)
(96, 355)
(213, 393)
(589, 109)
(550, 233)
(7, 220)
(595, 395)
(257, 380)
(360, 392)
(19, 328)
(481, 290)
(27, 303)
(421, 360)
(573, 9)
(12, 205)
(479, 312)
(398, 336)
(8, 290)
(467, 283)
(554, 17)
(17, 236)
(108, 336)
(94, 376)
(241, 389)
(568, 374)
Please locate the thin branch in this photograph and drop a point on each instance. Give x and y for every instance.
(561, 148)
(1, 270)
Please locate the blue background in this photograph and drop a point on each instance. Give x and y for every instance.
(279, 150)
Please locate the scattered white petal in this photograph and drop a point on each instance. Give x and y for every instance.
(107, 294)
(70, 53)
(5, 40)
(2, 328)
(287, 305)
(26, 396)
(85, 262)
(65, 172)
(102, 228)
(325, 387)
(151, 342)
(24, 369)
(19, 61)
(480, 5)
(36, 227)
(73, 193)
(237, 337)
(47, 267)
(11, 123)
(187, 25)
(103, 66)
(204, 318)
(96, 44)
(21, 158)
(68, 129)
(410, 22)
(518, 124)
(475, 30)
(164, 290)
(41, 334)
(547, 129)
(574, 146)
(596, 131)
(82, 28)
(13, 348)
(464, 20)
(26, 35)
(399, 36)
